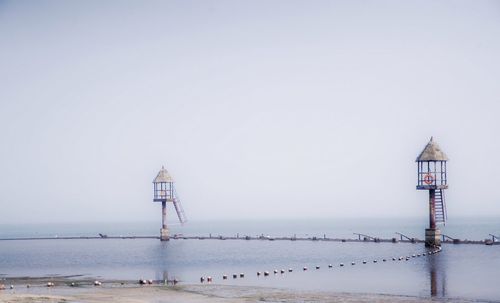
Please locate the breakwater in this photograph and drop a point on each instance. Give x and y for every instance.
(361, 238)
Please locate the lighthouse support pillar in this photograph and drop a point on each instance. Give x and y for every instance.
(164, 234)
(432, 234)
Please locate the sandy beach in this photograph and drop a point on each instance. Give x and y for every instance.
(130, 292)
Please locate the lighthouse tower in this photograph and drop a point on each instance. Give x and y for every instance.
(164, 191)
(432, 176)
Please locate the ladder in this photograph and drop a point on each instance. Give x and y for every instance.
(440, 207)
(178, 208)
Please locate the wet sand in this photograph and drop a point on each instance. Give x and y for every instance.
(131, 292)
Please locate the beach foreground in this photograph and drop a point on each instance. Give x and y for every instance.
(128, 292)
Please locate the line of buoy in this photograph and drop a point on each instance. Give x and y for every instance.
(99, 283)
(305, 268)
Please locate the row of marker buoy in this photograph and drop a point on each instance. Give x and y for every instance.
(95, 283)
(305, 268)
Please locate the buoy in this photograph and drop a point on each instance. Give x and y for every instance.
(242, 275)
(305, 268)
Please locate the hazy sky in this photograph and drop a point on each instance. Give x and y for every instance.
(258, 109)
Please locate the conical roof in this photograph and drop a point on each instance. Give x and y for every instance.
(432, 152)
(163, 176)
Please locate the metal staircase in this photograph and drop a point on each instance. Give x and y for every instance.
(440, 207)
(178, 208)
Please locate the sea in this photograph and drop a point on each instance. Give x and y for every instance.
(468, 271)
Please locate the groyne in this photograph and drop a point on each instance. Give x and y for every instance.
(365, 239)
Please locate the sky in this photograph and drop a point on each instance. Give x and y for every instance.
(258, 109)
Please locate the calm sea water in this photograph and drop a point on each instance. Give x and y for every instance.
(465, 271)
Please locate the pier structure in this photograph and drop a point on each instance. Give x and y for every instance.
(432, 176)
(164, 191)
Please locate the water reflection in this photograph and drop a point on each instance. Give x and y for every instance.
(437, 274)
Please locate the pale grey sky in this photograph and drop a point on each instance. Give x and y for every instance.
(258, 109)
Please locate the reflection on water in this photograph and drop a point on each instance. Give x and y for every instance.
(437, 274)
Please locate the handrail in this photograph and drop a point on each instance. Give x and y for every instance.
(403, 236)
(446, 236)
(366, 236)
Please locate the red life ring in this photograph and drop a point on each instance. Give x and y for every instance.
(428, 179)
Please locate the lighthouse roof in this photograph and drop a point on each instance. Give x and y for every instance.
(163, 176)
(432, 152)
